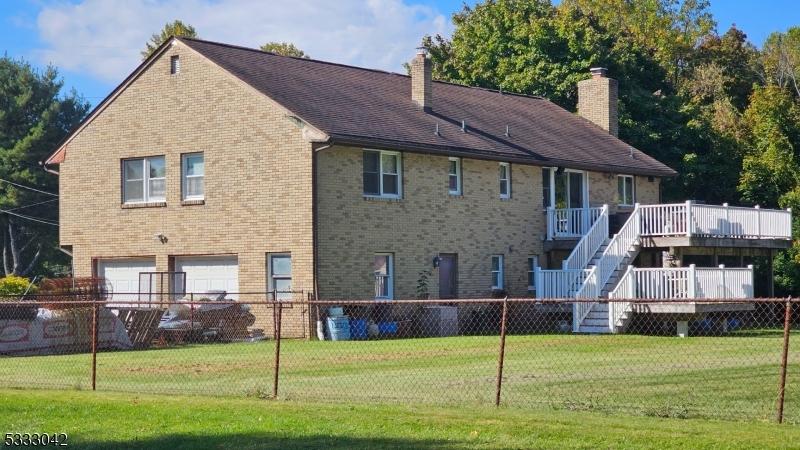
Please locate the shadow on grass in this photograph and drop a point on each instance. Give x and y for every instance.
(266, 441)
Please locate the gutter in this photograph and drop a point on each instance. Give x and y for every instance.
(383, 144)
(47, 169)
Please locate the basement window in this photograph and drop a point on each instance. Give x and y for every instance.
(174, 65)
(497, 272)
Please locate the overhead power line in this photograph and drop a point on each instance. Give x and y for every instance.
(35, 219)
(28, 187)
(33, 204)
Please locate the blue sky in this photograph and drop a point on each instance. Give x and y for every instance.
(96, 43)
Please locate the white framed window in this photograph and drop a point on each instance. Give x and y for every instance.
(193, 170)
(505, 180)
(533, 263)
(497, 272)
(625, 190)
(455, 176)
(144, 180)
(547, 187)
(382, 174)
(174, 64)
(383, 269)
(280, 275)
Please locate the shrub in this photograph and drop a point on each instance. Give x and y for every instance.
(13, 285)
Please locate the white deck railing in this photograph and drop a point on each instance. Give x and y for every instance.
(570, 223)
(679, 283)
(559, 283)
(682, 219)
(691, 219)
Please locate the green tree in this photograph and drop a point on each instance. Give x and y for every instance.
(780, 61)
(284, 48)
(174, 28)
(34, 117)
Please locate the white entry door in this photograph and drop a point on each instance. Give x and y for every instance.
(122, 276)
(210, 273)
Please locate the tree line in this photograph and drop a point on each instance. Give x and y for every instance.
(722, 112)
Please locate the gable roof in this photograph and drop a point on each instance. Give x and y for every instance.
(373, 108)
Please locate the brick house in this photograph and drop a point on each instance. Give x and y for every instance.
(251, 172)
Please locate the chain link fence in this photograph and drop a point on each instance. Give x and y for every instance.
(519, 353)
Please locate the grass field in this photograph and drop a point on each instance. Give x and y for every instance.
(731, 377)
(119, 420)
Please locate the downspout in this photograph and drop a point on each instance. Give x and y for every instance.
(314, 217)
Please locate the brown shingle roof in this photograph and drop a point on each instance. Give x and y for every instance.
(374, 108)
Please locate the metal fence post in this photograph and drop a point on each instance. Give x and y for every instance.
(278, 309)
(501, 356)
(784, 358)
(94, 345)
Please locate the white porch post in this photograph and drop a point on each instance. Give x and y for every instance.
(750, 288)
(631, 282)
(683, 328)
(550, 221)
(688, 218)
(726, 231)
(692, 282)
(758, 221)
(537, 281)
(723, 283)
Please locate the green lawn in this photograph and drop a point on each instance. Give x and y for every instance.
(122, 420)
(731, 377)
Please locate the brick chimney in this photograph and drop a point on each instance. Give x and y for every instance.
(421, 92)
(597, 100)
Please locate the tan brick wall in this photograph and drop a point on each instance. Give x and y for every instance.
(257, 175)
(603, 190)
(426, 222)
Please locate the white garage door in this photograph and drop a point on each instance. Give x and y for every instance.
(122, 275)
(210, 273)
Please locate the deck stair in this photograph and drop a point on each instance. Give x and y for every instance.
(599, 265)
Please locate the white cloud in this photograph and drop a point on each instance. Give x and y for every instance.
(103, 38)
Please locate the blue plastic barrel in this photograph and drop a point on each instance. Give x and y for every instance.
(339, 328)
(387, 327)
(358, 329)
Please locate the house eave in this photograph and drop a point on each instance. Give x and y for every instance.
(389, 144)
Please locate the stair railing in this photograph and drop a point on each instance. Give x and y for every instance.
(625, 289)
(589, 243)
(618, 248)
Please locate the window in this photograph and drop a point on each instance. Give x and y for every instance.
(533, 263)
(383, 268)
(174, 65)
(382, 171)
(497, 272)
(143, 180)
(505, 180)
(546, 190)
(280, 275)
(564, 188)
(625, 190)
(455, 176)
(193, 175)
